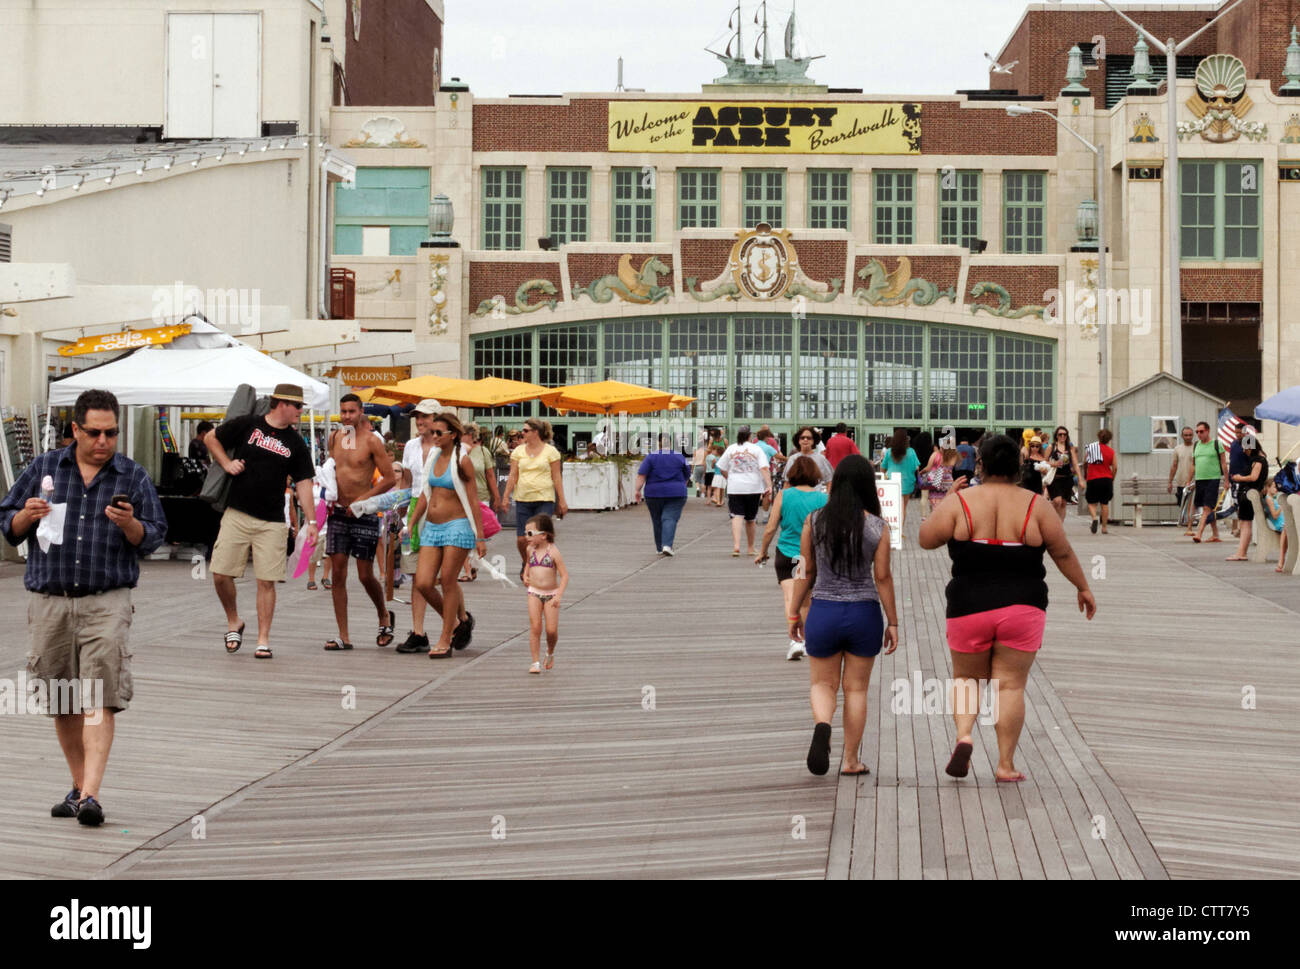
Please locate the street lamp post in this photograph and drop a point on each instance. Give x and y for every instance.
(1171, 49)
(1103, 275)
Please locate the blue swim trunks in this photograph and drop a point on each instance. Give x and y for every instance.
(458, 533)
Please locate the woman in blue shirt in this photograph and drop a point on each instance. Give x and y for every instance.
(662, 476)
(902, 460)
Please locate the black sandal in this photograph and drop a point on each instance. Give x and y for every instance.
(386, 632)
(236, 637)
(336, 645)
(463, 632)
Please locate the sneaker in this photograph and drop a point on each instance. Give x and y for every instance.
(90, 812)
(796, 650)
(414, 643)
(67, 808)
(668, 550)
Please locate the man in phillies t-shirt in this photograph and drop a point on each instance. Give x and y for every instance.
(268, 451)
(840, 445)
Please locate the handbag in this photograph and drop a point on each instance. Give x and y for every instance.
(491, 524)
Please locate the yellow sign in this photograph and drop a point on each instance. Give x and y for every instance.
(757, 127)
(369, 376)
(128, 340)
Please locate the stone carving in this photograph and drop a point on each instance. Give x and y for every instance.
(725, 289)
(438, 274)
(1291, 136)
(1003, 308)
(383, 132)
(1220, 103)
(800, 288)
(1143, 129)
(763, 265)
(892, 289)
(630, 285)
(498, 303)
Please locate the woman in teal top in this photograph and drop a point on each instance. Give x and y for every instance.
(902, 460)
(795, 502)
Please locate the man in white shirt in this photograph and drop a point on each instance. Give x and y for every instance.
(414, 455)
(744, 466)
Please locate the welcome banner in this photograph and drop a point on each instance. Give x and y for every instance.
(757, 127)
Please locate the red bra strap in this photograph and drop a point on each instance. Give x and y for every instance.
(969, 524)
(1030, 511)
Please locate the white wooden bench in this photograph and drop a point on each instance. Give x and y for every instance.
(1149, 494)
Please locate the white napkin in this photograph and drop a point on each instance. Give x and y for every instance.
(50, 530)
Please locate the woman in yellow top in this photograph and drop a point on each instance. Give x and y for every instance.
(536, 481)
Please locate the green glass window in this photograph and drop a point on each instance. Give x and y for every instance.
(959, 372)
(764, 197)
(567, 355)
(697, 364)
(394, 201)
(566, 204)
(895, 207)
(697, 199)
(503, 208)
(959, 208)
(634, 352)
(828, 199)
(763, 363)
(1220, 209)
(895, 371)
(1023, 212)
(509, 356)
(1023, 380)
(828, 370)
(634, 210)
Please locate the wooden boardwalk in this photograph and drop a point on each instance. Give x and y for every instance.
(1141, 762)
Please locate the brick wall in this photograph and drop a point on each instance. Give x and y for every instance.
(392, 63)
(943, 271)
(1222, 285)
(582, 126)
(704, 259)
(1025, 284)
(489, 279)
(1258, 32)
(586, 267)
(822, 259)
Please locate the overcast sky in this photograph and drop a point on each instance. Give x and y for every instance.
(502, 47)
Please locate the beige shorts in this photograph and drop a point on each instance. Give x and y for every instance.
(81, 645)
(239, 533)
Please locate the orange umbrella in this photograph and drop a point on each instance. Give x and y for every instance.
(607, 397)
(456, 392)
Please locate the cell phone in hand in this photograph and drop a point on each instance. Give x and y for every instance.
(120, 501)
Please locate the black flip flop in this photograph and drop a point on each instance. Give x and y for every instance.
(819, 752)
(238, 640)
(959, 765)
(856, 773)
(335, 646)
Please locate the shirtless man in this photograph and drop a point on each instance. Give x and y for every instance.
(357, 452)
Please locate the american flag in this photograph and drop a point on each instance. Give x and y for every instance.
(1228, 424)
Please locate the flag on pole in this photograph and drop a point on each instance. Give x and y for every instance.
(1228, 424)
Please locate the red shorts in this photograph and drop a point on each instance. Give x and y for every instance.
(1020, 627)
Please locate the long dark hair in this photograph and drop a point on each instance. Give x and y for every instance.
(899, 448)
(839, 524)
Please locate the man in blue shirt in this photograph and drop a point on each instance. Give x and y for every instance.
(965, 460)
(80, 585)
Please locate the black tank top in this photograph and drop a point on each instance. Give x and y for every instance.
(992, 574)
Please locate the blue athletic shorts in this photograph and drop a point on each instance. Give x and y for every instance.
(525, 510)
(458, 533)
(836, 627)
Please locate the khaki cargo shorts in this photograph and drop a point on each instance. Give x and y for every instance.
(239, 533)
(80, 646)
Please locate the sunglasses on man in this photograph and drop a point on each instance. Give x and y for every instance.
(93, 432)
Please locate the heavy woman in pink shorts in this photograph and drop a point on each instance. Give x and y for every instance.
(997, 599)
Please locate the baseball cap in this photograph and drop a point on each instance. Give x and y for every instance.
(428, 406)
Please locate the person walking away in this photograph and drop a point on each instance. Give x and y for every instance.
(1064, 457)
(713, 481)
(106, 516)
(1180, 471)
(545, 578)
(453, 527)
(1210, 469)
(966, 460)
(1273, 518)
(268, 449)
(840, 445)
(997, 598)
(1253, 478)
(940, 479)
(793, 505)
(360, 456)
(697, 467)
(662, 477)
(900, 459)
(536, 481)
(844, 547)
(1101, 469)
(743, 467)
(414, 455)
(923, 445)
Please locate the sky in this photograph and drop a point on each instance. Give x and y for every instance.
(504, 47)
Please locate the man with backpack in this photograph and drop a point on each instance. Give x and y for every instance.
(1210, 470)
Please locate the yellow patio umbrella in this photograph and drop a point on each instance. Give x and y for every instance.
(681, 402)
(455, 392)
(607, 397)
(372, 395)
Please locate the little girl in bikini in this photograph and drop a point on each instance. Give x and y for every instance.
(545, 578)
